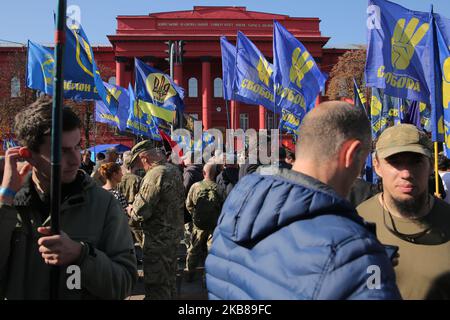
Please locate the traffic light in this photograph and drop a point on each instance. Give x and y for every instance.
(181, 50)
(169, 50)
(171, 53)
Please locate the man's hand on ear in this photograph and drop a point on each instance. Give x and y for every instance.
(14, 174)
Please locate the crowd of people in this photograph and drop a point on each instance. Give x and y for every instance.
(308, 227)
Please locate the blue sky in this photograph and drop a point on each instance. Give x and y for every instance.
(342, 20)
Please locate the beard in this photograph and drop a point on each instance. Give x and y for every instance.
(411, 207)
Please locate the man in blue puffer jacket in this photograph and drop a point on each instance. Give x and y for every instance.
(292, 234)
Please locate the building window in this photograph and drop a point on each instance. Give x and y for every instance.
(112, 80)
(270, 122)
(243, 121)
(193, 88)
(15, 87)
(218, 86)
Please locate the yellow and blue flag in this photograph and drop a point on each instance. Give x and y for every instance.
(40, 65)
(418, 114)
(82, 80)
(393, 109)
(296, 74)
(359, 98)
(397, 50)
(156, 88)
(104, 115)
(140, 122)
(290, 123)
(377, 113)
(253, 78)
(440, 87)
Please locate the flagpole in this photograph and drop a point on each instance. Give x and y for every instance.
(228, 116)
(55, 185)
(436, 170)
(437, 75)
(95, 137)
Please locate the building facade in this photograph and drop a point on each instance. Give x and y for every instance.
(200, 69)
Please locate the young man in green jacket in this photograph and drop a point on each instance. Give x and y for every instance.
(95, 242)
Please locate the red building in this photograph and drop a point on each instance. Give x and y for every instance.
(200, 71)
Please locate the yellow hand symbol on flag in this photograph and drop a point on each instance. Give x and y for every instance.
(300, 66)
(264, 70)
(405, 40)
(422, 106)
(446, 83)
(440, 126)
(113, 92)
(375, 106)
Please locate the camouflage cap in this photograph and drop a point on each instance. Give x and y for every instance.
(403, 138)
(140, 147)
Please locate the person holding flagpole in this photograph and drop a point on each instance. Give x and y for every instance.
(94, 240)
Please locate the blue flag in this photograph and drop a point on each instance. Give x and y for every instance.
(158, 96)
(82, 80)
(377, 119)
(359, 98)
(157, 88)
(253, 74)
(440, 93)
(402, 110)
(40, 65)
(228, 66)
(228, 71)
(104, 115)
(397, 50)
(418, 114)
(392, 110)
(140, 121)
(297, 77)
(290, 123)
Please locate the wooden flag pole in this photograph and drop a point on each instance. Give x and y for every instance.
(436, 171)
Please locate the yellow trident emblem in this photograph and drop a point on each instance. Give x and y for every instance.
(300, 66)
(405, 40)
(264, 70)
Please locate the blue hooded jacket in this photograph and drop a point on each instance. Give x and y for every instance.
(289, 236)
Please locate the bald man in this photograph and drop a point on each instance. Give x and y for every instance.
(292, 234)
(204, 203)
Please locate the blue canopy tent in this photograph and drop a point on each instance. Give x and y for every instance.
(103, 147)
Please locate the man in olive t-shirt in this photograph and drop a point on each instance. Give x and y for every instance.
(408, 217)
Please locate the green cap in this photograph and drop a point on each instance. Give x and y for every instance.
(403, 138)
(142, 146)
